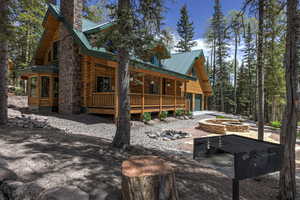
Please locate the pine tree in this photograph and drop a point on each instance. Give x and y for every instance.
(219, 28)
(289, 124)
(185, 30)
(4, 35)
(137, 24)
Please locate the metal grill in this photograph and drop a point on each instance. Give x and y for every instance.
(252, 157)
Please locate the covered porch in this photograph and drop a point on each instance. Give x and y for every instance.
(148, 92)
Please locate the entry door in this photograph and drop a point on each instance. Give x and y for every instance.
(198, 102)
(190, 98)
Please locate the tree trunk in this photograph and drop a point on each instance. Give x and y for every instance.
(148, 178)
(260, 69)
(289, 123)
(3, 61)
(122, 137)
(235, 73)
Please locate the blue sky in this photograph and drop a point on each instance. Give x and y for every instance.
(200, 11)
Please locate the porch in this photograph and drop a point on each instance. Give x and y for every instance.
(149, 92)
(105, 103)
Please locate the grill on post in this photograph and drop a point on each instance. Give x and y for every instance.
(252, 157)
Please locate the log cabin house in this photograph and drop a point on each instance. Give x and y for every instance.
(70, 75)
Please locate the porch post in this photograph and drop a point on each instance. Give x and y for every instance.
(143, 95)
(38, 89)
(175, 100)
(160, 94)
(116, 94)
(185, 96)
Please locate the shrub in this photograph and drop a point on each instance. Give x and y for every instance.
(146, 117)
(222, 117)
(19, 91)
(179, 113)
(189, 113)
(163, 115)
(298, 123)
(276, 124)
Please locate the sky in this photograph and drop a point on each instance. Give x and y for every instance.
(200, 12)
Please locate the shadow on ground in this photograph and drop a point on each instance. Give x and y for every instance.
(52, 158)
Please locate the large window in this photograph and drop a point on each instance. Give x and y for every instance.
(55, 87)
(55, 50)
(45, 86)
(103, 84)
(33, 83)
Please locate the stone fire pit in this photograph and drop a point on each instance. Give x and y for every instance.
(221, 126)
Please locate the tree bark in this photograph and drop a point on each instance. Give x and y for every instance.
(3, 60)
(122, 136)
(289, 123)
(148, 178)
(260, 69)
(235, 72)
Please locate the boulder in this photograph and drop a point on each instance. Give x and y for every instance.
(63, 193)
(21, 191)
(7, 174)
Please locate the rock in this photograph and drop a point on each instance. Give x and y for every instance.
(99, 194)
(21, 191)
(7, 174)
(64, 193)
(186, 118)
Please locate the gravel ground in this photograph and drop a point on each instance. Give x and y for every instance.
(94, 125)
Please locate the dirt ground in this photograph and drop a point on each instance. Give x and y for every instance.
(51, 158)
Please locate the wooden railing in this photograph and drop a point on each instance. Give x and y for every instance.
(103, 99)
(107, 99)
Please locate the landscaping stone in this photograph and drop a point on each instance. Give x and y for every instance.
(15, 190)
(99, 194)
(64, 193)
(168, 134)
(7, 174)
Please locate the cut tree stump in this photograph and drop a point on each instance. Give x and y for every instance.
(148, 178)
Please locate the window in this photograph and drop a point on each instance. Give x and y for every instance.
(103, 84)
(33, 82)
(45, 86)
(55, 50)
(55, 87)
(49, 56)
(153, 89)
(155, 60)
(193, 72)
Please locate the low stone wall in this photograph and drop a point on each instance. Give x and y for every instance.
(220, 126)
(212, 127)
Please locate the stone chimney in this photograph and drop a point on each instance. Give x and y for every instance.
(69, 59)
(72, 12)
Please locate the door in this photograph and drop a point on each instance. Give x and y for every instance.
(198, 102)
(190, 99)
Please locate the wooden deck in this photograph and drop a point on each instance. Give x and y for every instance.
(105, 102)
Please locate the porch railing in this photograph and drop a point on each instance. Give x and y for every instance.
(107, 99)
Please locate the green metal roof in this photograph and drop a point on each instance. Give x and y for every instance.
(182, 62)
(90, 27)
(39, 69)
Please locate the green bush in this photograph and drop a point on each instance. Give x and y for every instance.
(179, 113)
(163, 115)
(298, 123)
(19, 91)
(222, 117)
(147, 117)
(276, 124)
(189, 113)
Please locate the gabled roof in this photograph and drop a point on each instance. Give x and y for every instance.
(90, 27)
(182, 62)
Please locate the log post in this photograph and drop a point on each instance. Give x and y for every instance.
(148, 177)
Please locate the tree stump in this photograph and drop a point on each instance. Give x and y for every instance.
(148, 177)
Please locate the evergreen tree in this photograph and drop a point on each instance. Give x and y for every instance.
(219, 28)
(4, 35)
(185, 30)
(137, 24)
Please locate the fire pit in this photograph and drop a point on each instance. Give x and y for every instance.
(252, 157)
(221, 126)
